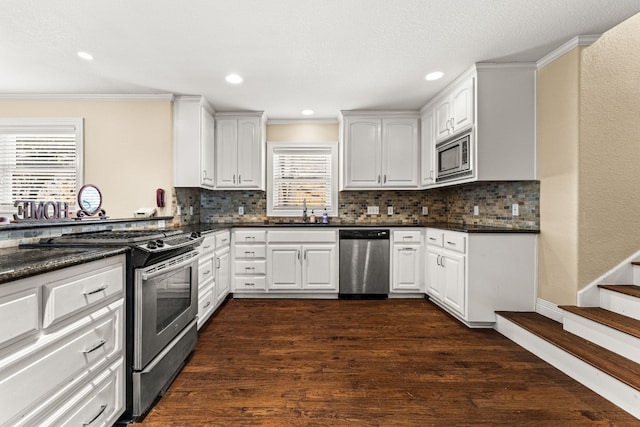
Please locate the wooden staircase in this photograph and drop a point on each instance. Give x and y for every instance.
(597, 346)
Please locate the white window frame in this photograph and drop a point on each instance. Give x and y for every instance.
(42, 124)
(302, 147)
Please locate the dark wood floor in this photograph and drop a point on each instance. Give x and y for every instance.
(367, 363)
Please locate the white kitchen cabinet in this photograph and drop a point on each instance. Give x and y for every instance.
(194, 134)
(427, 148)
(69, 368)
(302, 261)
(223, 274)
(380, 151)
(249, 261)
(213, 273)
(406, 261)
(240, 151)
(473, 275)
(454, 111)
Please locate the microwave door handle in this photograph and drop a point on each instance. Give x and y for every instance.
(153, 273)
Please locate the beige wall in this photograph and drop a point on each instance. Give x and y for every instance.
(303, 132)
(128, 147)
(557, 159)
(609, 156)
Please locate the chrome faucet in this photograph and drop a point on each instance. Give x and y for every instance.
(304, 210)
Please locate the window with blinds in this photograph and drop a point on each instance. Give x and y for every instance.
(40, 160)
(299, 172)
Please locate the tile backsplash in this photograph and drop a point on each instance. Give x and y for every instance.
(451, 204)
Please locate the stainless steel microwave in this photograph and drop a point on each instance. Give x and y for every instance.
(453, 159)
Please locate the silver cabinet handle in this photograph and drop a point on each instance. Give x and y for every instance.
(206, 247)
(378, 179)
(407, 237)
(224, 240)
(207, 304)
(249, 253)
(95, 291)
(249, 284)
(239, 179)
(450, 243)
(385, 178)
(298, 254)
(250, 238)
(438, 259)
(442, 261)
(433, 239)
(249, 268)
(206, 272)
(234, 179)
(409, 249)
(218, 263)
(100, 412)
(95, 347)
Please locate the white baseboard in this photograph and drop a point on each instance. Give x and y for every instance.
(549, 309)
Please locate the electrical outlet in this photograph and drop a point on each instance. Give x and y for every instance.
(476, 210)
(425, 210)
(190, 210)
(389, 210)
(241, 210)
(515, 209)
(179, 210)
(373, 210)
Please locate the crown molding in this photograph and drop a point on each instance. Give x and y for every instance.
(585, 40)
(302, 121)
(89, 96)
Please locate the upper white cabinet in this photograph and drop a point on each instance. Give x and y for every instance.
(379, 150)
(240, 151)
(194, 133)
(427, 148)
(454, 111)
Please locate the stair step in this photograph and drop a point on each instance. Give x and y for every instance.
(614, 365)
(631, 290)
(608, 318)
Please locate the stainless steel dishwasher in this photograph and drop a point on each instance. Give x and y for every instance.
(364, 263)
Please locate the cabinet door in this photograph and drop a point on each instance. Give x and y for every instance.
(400, 152)
(223, 274)
(443, 110)
(207, 148)
(249, 159)
(363, 146)
(428, 149)
(462, 106)
(435, 273)
(283, 266)
(454, 281)
(406, 268)
(226, 153)
(319, 267)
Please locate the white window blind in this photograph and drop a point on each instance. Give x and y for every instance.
(40, 160)
(300, 174)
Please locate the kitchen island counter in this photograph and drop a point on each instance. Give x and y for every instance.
(21, 262)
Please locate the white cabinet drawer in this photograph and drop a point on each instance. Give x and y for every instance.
(257, 283)
(455, 242)
(205, 304)
(435, 237)
(46, 368)
(74, 294)
(206, 269)
(208, 245)
(249, 251)
(223, 238)
(306, 236)
(251, 267)
(98, 404)
(18, 315)
(250, 236)
(407, 236)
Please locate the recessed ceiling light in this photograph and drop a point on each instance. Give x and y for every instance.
(85, 55)
(234, 79)
(308, 112)
(434, 76)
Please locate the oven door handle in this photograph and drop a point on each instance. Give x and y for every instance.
(167, 267)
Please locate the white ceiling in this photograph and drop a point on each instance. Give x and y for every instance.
(326, 55)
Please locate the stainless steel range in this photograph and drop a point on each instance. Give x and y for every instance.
(161, 305)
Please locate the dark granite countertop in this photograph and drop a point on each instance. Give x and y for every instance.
(19, 263)
(466, 228)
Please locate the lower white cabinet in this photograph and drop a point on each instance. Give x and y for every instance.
(472, 275)
(407, 262)
(249, 261)
(67, 369)
(214, 278)
(303, 261)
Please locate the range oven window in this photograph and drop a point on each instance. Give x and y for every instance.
(173, 296)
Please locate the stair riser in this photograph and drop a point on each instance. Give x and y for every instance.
(620, 303)
(604, 336)
(636, 274)
(606, 386)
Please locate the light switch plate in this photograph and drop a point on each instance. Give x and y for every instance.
(389, 210)
(190, 210)
(373, 210)
(240, 210)
(476, 210)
